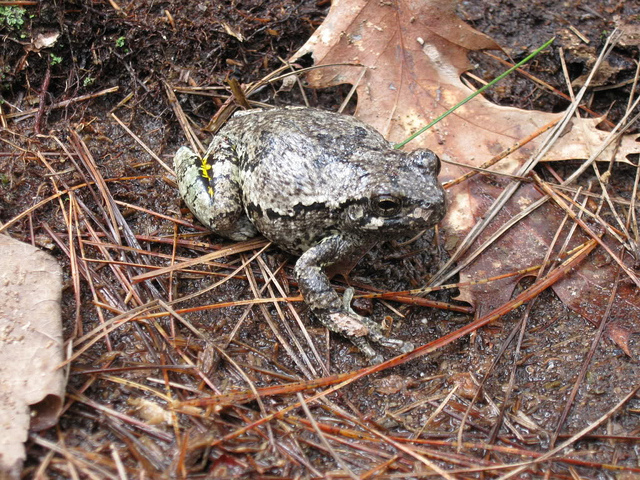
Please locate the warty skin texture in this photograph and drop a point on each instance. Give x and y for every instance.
(316, 183)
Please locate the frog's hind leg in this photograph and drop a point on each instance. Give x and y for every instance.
(325, 303)
(211, 190)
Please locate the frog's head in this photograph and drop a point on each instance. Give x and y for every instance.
(403, 197)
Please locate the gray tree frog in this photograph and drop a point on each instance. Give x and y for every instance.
(320, 185)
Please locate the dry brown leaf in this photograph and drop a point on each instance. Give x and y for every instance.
(414, 53)
(621, 335)
(30, 348)
(584, 138)
(631, 31)
(45, 40)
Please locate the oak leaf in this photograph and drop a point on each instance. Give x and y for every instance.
(412, 54)
(31, 347)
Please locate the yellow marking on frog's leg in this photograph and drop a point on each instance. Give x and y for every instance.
(204, 168)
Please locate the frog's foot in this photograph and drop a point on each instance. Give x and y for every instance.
(360, 329)
(351, 326)
(375, 335)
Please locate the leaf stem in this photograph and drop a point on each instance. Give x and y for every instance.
(477, 92)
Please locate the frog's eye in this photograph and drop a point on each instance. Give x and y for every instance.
(438, 165)
(386, 205)
(427, 159)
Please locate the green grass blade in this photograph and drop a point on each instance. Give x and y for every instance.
(477, 92)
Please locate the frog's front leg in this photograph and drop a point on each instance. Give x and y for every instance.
(326, 304)
(211, 190)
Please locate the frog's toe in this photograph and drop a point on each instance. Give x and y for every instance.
(347, 296)
(376, 359)
(373, 356)
(407, 347)
(363, 345)
(375, 335)
(395, 344)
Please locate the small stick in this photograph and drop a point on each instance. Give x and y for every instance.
(43, 100)
(62, 104)
(142, 144)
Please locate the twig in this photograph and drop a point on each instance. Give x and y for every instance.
(65, 103)
(142, 144)
(324, 441)
(587, 360)
(548, 87)
(43, 100)
(270, 278)
(233, 249)
(302, 361)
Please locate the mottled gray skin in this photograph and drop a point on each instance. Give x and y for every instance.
(316, 183)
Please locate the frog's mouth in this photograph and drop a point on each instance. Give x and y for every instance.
(407, 220)
(400, 223)
(426, 216)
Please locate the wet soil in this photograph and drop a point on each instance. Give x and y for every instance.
(141, 47)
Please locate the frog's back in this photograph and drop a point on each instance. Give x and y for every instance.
(300, 170)
(299, 167)
(297, 171)
(311, 136)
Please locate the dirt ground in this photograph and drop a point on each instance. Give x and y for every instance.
(144, 48)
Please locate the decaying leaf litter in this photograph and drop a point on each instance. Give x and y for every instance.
(422, 400)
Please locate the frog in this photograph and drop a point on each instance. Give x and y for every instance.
(321, 185)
